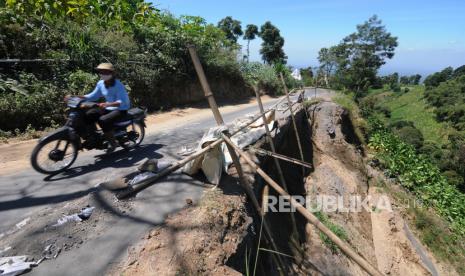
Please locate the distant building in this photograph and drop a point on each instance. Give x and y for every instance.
(296, 74)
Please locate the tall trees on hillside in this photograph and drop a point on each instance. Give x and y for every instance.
(413, 79)
(231, 27)
(272, 46)
(328, 59)
(251, 32)
(359, 55)
(435, 79)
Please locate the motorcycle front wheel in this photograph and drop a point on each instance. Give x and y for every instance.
(53, 156)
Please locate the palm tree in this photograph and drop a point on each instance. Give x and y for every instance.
(251, 32)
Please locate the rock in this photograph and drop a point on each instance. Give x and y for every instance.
(149, 165)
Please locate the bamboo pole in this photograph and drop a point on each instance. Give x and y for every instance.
(173, 167)
(276, 161)
(282, 157)
(178, 164)
(307, 214)
(293, 122)
(232, 153)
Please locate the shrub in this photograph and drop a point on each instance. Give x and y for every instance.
(29, 101)
(417, 173)
(261, 77)
(147, 46)
(410, 135)
(401, 124)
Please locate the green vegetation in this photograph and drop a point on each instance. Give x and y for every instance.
(412, 107)
(358, 122)
(416, 132)
(419, 175)
(262, 77)
(251, 32)
(66, 40)
(336, 229)
(409, 116)
(449, 99)
(307, 76)
(353, 64)
(231, 27)
(272, 45)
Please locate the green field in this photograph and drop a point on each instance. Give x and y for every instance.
(412, 106)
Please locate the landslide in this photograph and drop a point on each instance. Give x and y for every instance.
(221, 233)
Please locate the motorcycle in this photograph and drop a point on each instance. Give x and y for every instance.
(58, 150)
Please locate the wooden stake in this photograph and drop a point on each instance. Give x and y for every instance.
(293, 122)
(232, 153)
(282, 157)
(178, 164)
(307, 214)
(295, 233)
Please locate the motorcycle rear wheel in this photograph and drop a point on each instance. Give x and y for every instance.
(138, 130)
(53, 156)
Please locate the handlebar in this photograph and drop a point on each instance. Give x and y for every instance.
(77, 102)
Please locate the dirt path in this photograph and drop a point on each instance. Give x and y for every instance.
(15, 155)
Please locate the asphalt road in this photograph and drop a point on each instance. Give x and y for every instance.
(26, 192)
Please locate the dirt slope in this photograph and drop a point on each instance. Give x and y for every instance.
(377, 234)
(217, 235)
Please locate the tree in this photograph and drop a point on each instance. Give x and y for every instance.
(362, 53)
(415, 79)
(307, 76)
(435, 79)
(251, 31)
(272, 46)
(328, 59)
(405, 80)
(459, 71)
(231, 27)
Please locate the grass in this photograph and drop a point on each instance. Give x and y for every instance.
(412, 106)
(29, 133)
(336, 229)
(358, 122)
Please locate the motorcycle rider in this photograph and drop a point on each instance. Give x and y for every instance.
(115, 106)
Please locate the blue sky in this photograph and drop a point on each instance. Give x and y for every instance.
(431, 34)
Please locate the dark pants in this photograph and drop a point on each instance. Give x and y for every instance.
(105, 118)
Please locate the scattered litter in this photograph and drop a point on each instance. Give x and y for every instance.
(86, 213)
(163, 165)
(17, 227)
(186, 150)
(15, 265)
(189, 201)
(22, 223)
(218, 159)
(83, 215)
(149, 165)
(141, 177)
(51, 251)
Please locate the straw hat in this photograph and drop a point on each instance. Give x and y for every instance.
(106, 66)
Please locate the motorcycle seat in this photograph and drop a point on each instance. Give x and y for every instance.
(131, 114)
